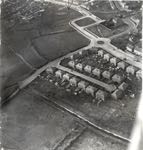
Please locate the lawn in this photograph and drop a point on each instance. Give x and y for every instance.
(85, 21)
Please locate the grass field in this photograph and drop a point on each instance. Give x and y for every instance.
(50, 34)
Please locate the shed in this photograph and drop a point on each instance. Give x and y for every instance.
(114, 61)
(117, 94)
(96, 72)
(88, 69)
(90, 90)
(101, 95)
(79, 66)
(117, 78)
(107, 74)
(71, 64)
(82, 85)
(123, 86)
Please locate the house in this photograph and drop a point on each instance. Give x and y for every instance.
(59, 74)
(96, 72)
(82, 85)
(117, 78)
(107, 74)
(88, 69)
(71, 64)
(114, 61)
(90, 90)
(130, 70)
(74, 81)
(101, 95)
(130, 47)
(139, 74)
(123, 86)
(79, 66)
(66, 77)
(122, 64)
(100, 53)
(49, 71)
(117, 94)
(106, 57)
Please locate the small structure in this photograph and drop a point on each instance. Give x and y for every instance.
(71, 57)
(107, 74)
(117, 78)
(114, 61)
(117, 94)
(90, 90)
(59, 74)
(74, 81)
(107, 57)
(122, 64)
(88, 69)
(71, 64)
(139, 74)
(123, 86)
(130, 70)
(100, 53)
(49, 71)
(79, 66)
(82, 85)
(66, 77)
(130, 47)
(101, 95)
(96, 72)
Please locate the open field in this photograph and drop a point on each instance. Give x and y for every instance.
(39, 41)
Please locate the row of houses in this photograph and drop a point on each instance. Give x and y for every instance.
(88, 88)
(106, 74)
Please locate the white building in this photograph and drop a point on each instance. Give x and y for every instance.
(117, 78)
(82, 85)
(96, 72)
(79, 66)
(107, 74)
(114, 61)
(130, 69)
(90, 90)
(88, 69)
(71, 64)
